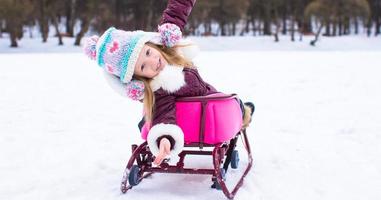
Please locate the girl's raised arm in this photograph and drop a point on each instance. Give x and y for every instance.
(177, 12)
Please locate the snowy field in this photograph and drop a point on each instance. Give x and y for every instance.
(64, 134)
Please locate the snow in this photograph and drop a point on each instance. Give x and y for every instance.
(64, 134)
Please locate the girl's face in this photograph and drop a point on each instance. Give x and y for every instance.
(150, 62)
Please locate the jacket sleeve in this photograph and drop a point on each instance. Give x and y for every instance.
(177, 12)
(164, 109)
(164, 125)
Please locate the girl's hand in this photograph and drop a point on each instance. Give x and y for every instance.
(164, 150)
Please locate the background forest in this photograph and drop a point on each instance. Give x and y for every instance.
(74, 18)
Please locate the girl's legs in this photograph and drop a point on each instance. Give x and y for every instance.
(248, 110)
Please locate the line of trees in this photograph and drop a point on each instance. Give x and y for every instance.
(73, 18)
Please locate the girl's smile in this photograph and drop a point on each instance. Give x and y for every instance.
(150, 62)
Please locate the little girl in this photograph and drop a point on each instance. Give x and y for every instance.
(156, 69)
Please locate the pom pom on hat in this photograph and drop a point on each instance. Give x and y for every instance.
(90, 47)
(135, 90)
(170, 34)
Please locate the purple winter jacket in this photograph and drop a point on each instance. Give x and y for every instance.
(171, 83)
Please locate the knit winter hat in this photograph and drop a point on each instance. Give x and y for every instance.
(117, 51)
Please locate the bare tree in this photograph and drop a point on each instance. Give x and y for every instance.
(87, 10)
(14, 13)
(338, 13)
(70, 14)
(375, 19)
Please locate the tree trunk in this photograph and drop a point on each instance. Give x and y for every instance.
(1, 28)
(369, 28)
(276, 37)
(340, 26)
(13, 40)
(284, 23)
(247, 26)
(222, 27)
(59, 35)
(44, 24)
(267, 19)
(313, 42)
(356, 23)
(266, 26)
(328, 29)
(222, 21)
(347, 24)
(84, 28)
(378, 26)
(277, 30)
(377, 17)
(70, 12)
(292, 28)
(12, 34)
(44, 31)
(334, 28)
(299, 24)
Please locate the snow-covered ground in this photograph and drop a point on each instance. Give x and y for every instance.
(64, 134)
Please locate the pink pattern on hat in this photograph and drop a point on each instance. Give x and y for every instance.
(115, 47)
(110, 68)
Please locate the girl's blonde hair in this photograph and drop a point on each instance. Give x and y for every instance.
(172, 56)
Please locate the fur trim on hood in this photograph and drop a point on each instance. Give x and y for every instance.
(171, 79)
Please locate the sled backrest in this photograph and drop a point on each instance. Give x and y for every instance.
(207, 120)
